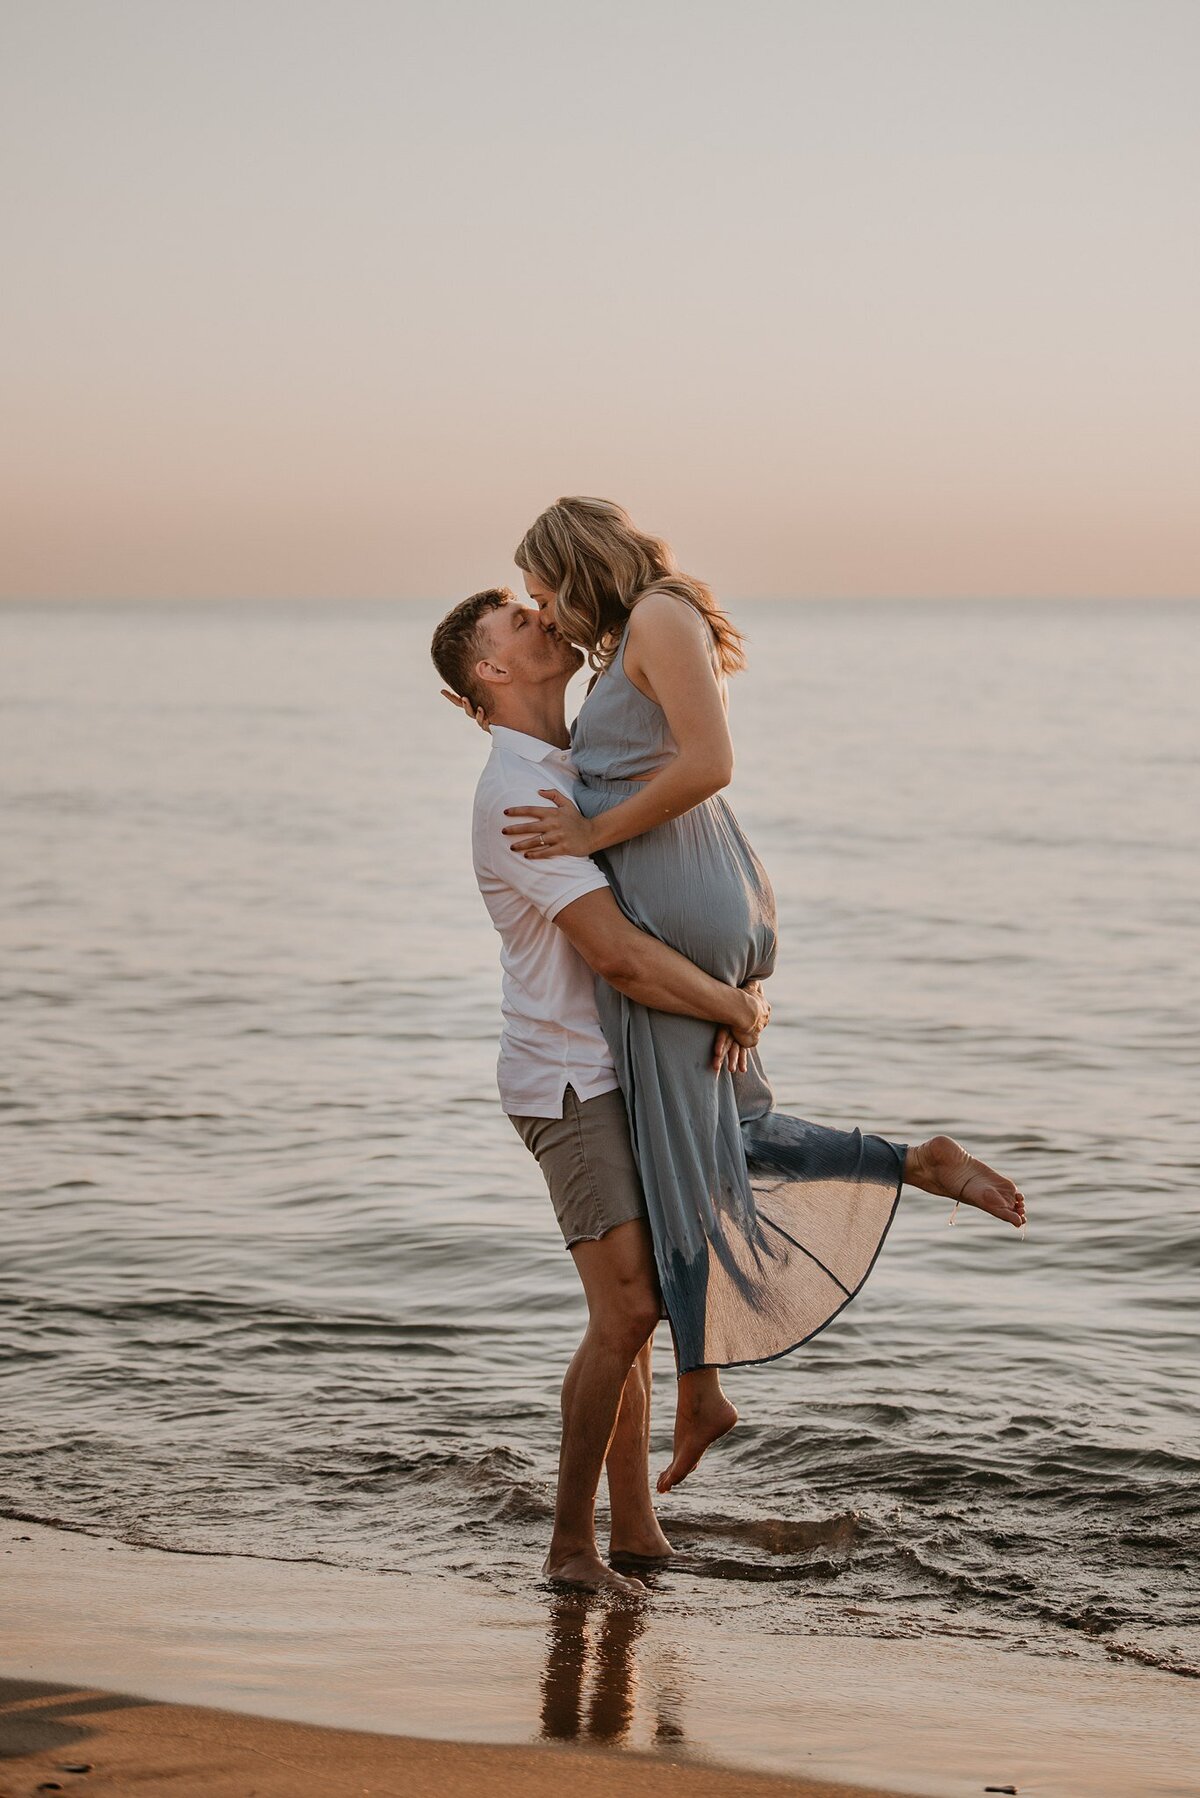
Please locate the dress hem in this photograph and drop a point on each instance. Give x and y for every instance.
(761, 1360)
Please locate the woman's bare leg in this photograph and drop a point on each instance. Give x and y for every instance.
(940, 1166)
(702, 1414)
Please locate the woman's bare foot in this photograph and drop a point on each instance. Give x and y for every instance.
(586, 1572)
(701, 1417)
(942, 1166)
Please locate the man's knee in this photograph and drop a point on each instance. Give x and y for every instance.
(627, 1315)
(618, 1275)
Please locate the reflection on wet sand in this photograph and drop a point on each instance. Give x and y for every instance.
(592, 1676)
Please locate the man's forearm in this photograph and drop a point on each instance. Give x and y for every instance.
(638, 965)
(663, 980)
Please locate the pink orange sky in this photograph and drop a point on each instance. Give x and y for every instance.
(844, 297)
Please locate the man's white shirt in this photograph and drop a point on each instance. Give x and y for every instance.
(552, 1036)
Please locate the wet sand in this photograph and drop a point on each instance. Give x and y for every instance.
(316, 1678)
(105, 1744)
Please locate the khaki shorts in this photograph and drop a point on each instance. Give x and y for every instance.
(587, 1159)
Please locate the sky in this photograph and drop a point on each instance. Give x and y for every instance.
(845, 298)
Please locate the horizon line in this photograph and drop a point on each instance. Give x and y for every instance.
(31, 601)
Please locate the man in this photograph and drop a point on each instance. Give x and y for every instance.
(559, 926)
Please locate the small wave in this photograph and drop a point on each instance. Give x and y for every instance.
(1168, 1663)
(497, 1467)
(138, 1539)
(756, 1572)
(782, 1535)
(490, 1486)
(247, 1314)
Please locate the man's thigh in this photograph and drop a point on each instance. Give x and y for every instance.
(618, 1270)
(587, 1160)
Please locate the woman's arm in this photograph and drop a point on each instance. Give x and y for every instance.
(668, 656)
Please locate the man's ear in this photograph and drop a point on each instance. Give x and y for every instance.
(492, 673)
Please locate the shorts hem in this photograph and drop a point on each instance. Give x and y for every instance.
(598, 1235)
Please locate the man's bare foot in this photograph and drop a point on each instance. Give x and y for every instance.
(586, 1572)
(647, 1547)
(697, 1426)
(942, 1166)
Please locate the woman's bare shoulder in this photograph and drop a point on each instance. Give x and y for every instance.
(667, 634)
(665, 617)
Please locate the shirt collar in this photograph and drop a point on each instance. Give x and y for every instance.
(531, 748)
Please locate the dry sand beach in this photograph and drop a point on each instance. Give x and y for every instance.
(268, 1678)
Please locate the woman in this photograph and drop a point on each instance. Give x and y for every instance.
(747, 1272)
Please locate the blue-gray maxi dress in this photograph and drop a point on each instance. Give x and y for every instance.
(764, 1226)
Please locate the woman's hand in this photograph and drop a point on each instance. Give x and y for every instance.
(726, 1050)
(559, 828)
(464, 705)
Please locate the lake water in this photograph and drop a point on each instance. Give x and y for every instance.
(278, 1279)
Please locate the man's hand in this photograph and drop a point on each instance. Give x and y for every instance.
(732, 1046)
(759, 1015)
(464, 705)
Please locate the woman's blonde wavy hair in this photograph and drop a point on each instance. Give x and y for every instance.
(599, 565)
